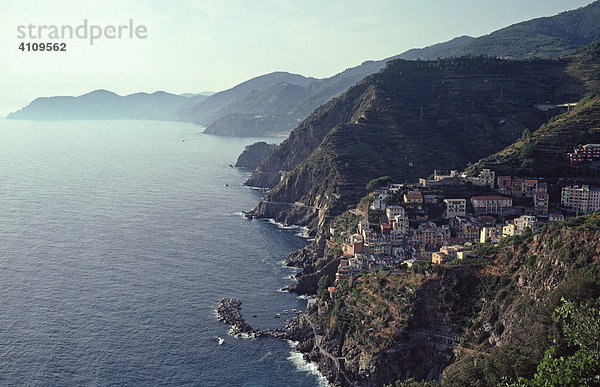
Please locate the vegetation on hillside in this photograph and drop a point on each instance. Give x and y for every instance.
(545, 152)
(543, 37)
(525, 311)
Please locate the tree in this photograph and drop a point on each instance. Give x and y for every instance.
(322, 291)
(379, 182)
(581, 326)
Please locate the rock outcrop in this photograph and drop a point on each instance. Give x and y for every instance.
(254, 154)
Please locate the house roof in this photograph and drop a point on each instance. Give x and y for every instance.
(413, 195)
(492, 197)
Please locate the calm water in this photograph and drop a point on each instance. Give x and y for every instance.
(117, 239)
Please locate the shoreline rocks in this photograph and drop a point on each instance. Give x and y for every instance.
(229, 312)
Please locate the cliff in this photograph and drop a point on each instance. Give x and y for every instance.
(254, 154)
(485, 320)
(404, 122)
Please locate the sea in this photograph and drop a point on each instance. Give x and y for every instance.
(117, 240)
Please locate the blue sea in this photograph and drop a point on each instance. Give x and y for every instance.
(117, 240)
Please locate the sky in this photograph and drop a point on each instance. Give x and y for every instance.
(212, 45)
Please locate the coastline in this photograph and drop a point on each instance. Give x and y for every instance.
(303, 353)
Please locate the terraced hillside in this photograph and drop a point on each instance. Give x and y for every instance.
(411, 118)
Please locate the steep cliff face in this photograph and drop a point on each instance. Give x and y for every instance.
(308, 135)
(487, 320)
(254, 154)
(408, 119)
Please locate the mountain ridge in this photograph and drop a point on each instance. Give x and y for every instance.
(406, 121)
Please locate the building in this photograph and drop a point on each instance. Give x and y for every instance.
(400, 227)
(509, 230)
(519, 225)
(486, 221)
(589, 152)
(530, 186)
(455, 207)
(430, 199)
(393, 211)
(504, 184)
(429, 237)
(581, 198)
(516, 187)
(439, 175)
(525, 222)
(381, 246)
(469, 231)
(440, 178)
(556, 217)
(413, 197)
(438, 257)
(485, 177)
(491, 204)
(490, 234)
(379, 201)
(354, 245)
(541, 201)
(446, 253)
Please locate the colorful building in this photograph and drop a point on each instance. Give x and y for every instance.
(581, 198)
(504, 184)
(413, 197)
(589, 152)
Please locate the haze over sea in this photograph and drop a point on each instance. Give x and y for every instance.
(117, 240)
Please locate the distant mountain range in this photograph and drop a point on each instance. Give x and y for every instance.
(279, 101)
(103, 104)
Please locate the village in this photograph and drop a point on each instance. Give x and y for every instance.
(441, 219)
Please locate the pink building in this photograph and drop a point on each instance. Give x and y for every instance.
(581, 198)
(588, 152)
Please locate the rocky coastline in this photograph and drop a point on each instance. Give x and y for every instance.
(299, 329)
(229, 312)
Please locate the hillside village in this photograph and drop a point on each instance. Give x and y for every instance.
(444, 216)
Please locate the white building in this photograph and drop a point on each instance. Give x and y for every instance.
(455, 207)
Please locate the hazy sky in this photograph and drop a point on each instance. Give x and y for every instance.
(199, 45)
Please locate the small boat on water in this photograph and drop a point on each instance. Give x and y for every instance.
(298, 312)
(277, 316)
(285, 311)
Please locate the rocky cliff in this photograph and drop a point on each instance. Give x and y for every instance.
(253, 154)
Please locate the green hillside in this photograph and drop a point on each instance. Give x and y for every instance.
(542, 37)
(544, 152)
